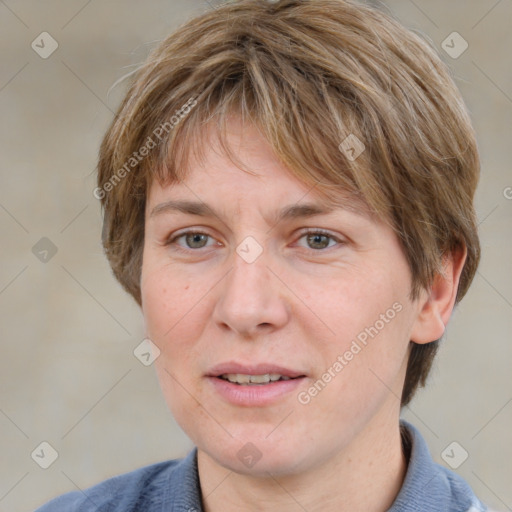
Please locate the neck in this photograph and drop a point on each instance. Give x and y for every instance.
(365, 476)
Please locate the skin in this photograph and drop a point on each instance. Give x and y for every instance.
(300, 304)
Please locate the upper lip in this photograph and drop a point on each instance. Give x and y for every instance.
(253, 369)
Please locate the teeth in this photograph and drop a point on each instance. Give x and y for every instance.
(258, 379)
(239, 378)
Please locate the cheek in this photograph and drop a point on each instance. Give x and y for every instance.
(170, 310)
(351, 305)
(175, 311)
(369, 319)
(166, 299)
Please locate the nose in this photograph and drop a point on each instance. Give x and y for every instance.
(251, 299)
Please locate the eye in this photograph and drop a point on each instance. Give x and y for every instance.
(193, 240)
(319, 239)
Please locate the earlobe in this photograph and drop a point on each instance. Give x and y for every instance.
(436, 305)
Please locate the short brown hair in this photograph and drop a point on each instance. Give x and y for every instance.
(308, 74)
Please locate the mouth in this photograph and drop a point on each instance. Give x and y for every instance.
(255, 385)
(254, 380)
(260, 373)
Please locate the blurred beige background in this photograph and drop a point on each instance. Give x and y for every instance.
(67, 372)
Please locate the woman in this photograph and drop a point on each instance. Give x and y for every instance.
(288, 195)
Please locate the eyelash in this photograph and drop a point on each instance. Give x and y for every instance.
(172, 241)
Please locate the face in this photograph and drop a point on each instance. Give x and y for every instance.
(255, 286)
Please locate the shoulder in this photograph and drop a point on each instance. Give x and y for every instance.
(146, 488)
(430, 487)
(458, 491)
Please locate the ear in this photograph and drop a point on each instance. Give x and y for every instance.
(436, 305)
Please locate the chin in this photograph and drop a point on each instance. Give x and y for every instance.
(257, 456)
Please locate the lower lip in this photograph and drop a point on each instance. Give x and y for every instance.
(254, 395)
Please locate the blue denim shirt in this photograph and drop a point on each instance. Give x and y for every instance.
(173, 486)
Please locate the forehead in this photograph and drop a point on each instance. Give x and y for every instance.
(256, 178)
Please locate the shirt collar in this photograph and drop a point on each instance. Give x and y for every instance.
(183, 489)
(427, 486)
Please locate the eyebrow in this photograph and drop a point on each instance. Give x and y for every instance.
(294, 211)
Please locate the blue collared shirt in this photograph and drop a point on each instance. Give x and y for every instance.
(173, 486)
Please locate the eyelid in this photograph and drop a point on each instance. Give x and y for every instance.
(320, 231)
